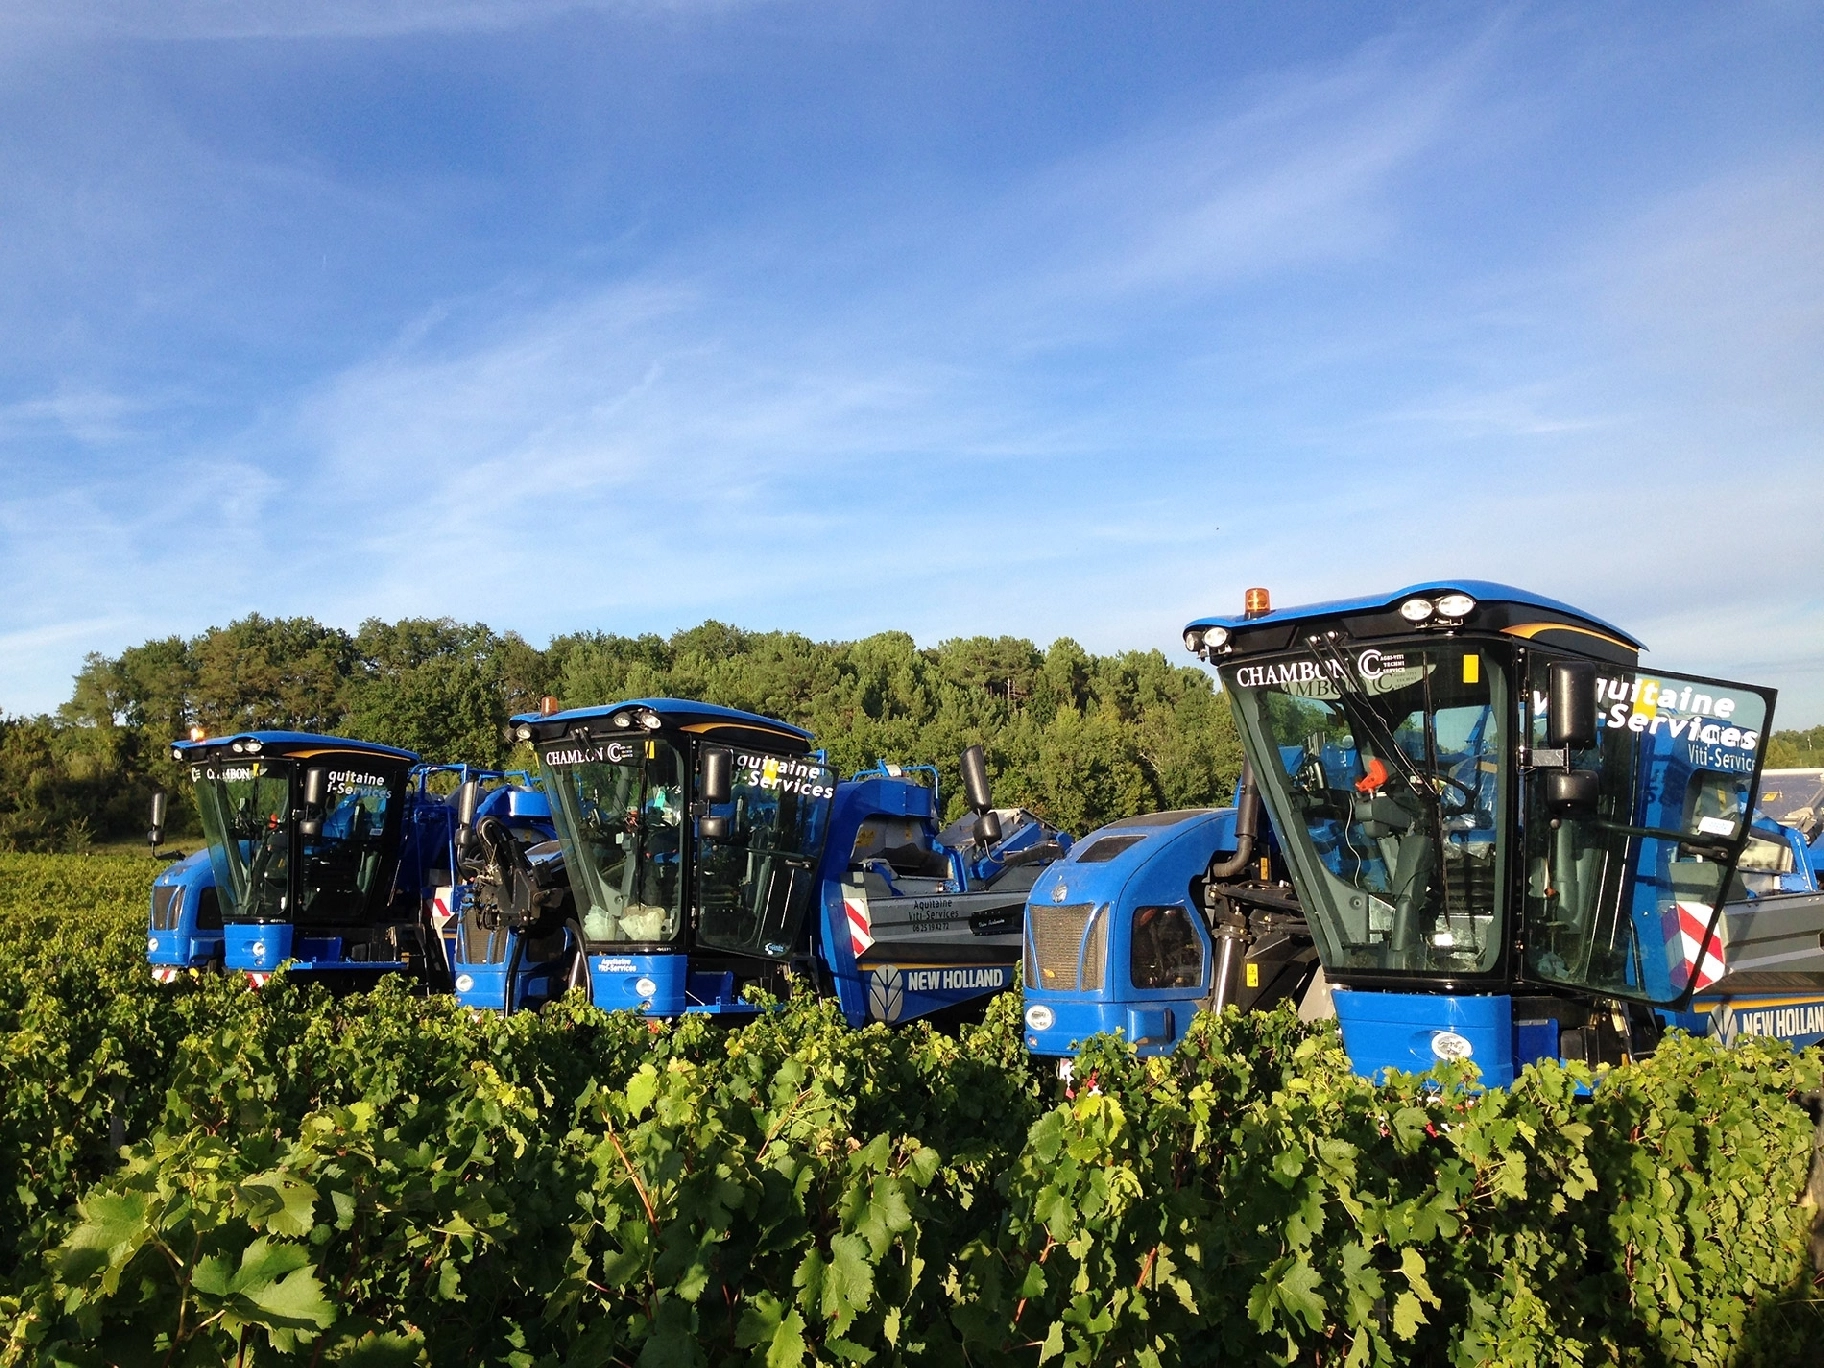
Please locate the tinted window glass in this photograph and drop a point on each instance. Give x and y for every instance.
(1166, 950)
(1104, 850)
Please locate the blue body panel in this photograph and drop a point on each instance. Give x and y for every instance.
(1414, 1031)
(1156, 870)
(261, 947)
(1483, 591)
(662, 986)
(182, 943)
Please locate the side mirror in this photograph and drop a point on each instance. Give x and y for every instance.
(157, 832)
(987, 829)
(975, 779)
(712, 828)
(316, 788)
(1571, 789)
(1571, 715)
(715, 778)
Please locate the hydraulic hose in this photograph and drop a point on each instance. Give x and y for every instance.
(1247, 827)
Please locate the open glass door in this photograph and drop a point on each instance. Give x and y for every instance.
(1627, 868)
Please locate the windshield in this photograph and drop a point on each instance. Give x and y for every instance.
(246, 809)
(619, 808)
(1385, 771)
(754, 886)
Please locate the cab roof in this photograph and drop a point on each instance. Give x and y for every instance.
(288, 745)
(1499, 607)
(678, 714)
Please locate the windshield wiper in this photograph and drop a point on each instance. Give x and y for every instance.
(1348, 682)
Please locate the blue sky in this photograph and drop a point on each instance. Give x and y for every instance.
(1064, 319)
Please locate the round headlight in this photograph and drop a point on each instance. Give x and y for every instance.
(523, 732)
(1456, 606)
(622, 720)
(252, 748)
(235, 747)
(177, 753)
(1193, 639)
(651, 720)
(1416, 610)
(1215, 638)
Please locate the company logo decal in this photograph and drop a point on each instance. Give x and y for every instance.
(886, 994)
(1378, 671)
(786, 774)
(610, 753)
(1450, 1047)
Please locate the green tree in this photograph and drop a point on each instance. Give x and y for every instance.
(437, 687)
(1796, 749)
(278, 673)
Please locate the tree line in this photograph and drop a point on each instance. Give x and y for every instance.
(1077, 737)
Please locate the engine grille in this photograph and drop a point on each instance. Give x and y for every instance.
(1054, 946)
(166, 903)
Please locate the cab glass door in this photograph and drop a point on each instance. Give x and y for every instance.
(1622, 894)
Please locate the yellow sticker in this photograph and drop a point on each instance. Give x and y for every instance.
(1472, 668)
(1253, 976)
(652, 750)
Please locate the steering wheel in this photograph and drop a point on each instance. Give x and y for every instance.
(1471, 799)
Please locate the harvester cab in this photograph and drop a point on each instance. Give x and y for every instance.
(304, 836)
(1509, 841)
(691, 836)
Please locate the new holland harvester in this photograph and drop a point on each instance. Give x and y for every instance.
(1506, 839)
(333, 854)
(702, 850)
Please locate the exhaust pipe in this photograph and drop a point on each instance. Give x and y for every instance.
(1247, 828)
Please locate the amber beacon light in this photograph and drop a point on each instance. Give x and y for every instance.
(1257, 603)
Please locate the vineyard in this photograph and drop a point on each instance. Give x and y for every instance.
(199, 1175)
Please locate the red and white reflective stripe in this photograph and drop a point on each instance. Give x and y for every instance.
(164, 974)
(1692, 919)
(861, 923)
(256, 978)
(440, 907)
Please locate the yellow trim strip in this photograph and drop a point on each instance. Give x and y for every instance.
(327, 750)
(1532, 629)
(865, 963)
(1748, 1003)
(743, 726)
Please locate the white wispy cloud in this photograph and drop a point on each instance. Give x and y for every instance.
(1098, 401)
